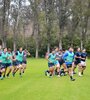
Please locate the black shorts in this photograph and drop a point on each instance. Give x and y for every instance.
(15, 63)
(61, 62)
(4, 65)
(51, 64)
(1, 66)
(9, 65)
(69, 65)
(77, 62)
(24, 62)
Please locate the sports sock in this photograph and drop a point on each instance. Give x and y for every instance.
(71, 77)
(19, 73)
(0, 74)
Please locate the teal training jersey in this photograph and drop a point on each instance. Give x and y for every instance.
(69, 57)
(9, 60)
(19, 56)
(52, 58)
(4, 57)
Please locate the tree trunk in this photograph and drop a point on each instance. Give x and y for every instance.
(14, 45)
(3, 43)
(37, 49)
(81, 44)
(81, 41)
(60, 37)
(60, 43)
(48, 47)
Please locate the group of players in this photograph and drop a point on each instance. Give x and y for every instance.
(68, 59)
(12, 61)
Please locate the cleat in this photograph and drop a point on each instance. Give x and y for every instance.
(1, 78)
(72, 79)
(13, 74)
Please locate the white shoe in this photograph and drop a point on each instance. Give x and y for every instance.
(48, 74)
(80, 75)
(58, 76)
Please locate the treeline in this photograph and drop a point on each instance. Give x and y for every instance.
(39, 25)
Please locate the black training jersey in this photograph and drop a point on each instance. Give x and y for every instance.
(78, 54)
(83, 55)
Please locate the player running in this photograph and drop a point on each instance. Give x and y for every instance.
(9, 62)
(69, 58)
(83, 60)
(19, 60)
(52, 62)
(4, 60)
(2, 69)
(77, 62)
(57, 62)
(24, 63)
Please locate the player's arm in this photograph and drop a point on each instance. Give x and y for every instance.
(83, 58)
(76, 56)
(28, 53)
(48, 58)
(65, 55)
(13, 58)
(57, 58)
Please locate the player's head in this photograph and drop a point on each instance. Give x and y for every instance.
(5, 49)
(70, 49)
(20, 49)
(9, 50)
(78, 49)
(53, 51)
(84, 50)
(63, 50)
(60, 51)
(56, 49)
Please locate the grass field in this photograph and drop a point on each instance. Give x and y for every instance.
(35, 86)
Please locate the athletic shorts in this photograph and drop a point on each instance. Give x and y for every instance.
(83, 63)
(61, 62)
(4, 65)
(19, 62)
(51, 64)
(0, 65)
(77, 62)
(15, 63)
(9, 64)
(24, 62)
(69, 65)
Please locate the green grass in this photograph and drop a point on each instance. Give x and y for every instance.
(35, 86)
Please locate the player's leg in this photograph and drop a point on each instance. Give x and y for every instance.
(2, 70)
(51, 69)
(83, 66)
(80, 69)
(5, 68)
(15, 68)
(24, 66)
(58, 68)
(70, 72)
(74, 66)
(10, 69)
(20, 69)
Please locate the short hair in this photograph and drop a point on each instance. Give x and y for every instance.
(9, 49)
(70, 47)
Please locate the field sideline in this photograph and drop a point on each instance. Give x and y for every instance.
(34, 85)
